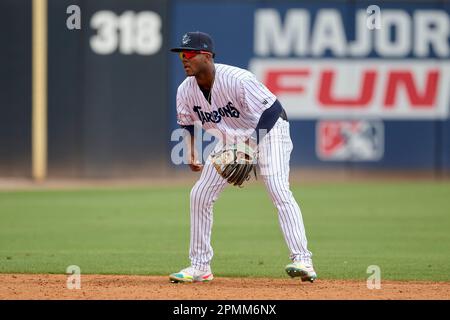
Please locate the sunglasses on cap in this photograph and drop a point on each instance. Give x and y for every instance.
(190, 54)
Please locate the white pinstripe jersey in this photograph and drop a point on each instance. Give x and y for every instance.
(237, 101)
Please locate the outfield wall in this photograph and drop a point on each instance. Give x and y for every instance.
(356, 98)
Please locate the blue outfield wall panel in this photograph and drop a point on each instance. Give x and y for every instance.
(409, 144)
(302, 135)
(403, 124)
(15, 88)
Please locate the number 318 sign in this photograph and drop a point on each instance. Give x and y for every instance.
(130, 32)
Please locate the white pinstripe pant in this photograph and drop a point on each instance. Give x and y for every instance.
(274, 154)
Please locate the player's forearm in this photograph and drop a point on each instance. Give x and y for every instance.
(190, 143)
(190, 146)
(191, 153)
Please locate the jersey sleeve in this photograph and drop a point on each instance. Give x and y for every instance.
(255, 96)
(184, 117)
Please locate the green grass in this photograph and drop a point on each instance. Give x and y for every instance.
(403, 228)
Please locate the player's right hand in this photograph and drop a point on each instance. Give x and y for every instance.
(196, 167)
(194, 164)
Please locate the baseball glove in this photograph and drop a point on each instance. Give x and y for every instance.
(235, 163)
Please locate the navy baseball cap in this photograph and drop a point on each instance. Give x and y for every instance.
(196, 41)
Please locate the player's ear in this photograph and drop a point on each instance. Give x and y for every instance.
(207, 58)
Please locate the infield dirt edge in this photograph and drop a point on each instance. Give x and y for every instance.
(126, 287)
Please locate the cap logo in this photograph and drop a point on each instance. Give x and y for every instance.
(205, 46)
(186, 39)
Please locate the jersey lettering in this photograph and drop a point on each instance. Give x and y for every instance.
(216, 116)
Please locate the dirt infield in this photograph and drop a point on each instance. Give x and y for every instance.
(45, 286)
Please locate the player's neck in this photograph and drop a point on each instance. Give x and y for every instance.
(205, 80)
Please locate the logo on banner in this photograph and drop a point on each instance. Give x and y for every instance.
(350, 140)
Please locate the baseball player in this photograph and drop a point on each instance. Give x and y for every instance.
(233, 102)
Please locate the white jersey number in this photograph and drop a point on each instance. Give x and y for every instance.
(130, 32)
